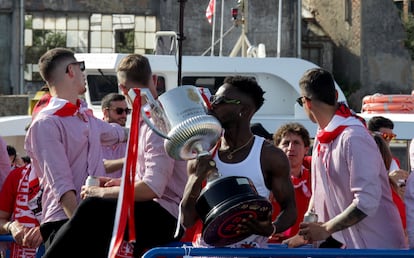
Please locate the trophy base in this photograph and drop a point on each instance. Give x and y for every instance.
(224, 203)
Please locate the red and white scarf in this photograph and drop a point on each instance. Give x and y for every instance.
(27, 209)
(63, 108)
(302, 181)
(342, 118)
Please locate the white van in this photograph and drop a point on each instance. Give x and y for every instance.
(279, 77)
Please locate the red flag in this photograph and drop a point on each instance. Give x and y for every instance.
(210, 10)
(125, 207)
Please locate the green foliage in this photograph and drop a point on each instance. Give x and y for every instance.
(409, 28)
(28, 22)
(347, 87)
(55, 39)
(43, 40)
(125, 41)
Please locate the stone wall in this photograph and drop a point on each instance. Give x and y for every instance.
(261, 28)
(369, 54)
(12, 105)
(368, 51)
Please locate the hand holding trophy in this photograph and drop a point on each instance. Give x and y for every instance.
(179, 116)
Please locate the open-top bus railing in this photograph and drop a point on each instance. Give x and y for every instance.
(275, 251)
(180, 249)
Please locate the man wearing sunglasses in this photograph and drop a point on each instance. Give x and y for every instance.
(350, 188)
(384, 127)
(242, 154)
(158, 188)
(64, 140)
(115, 110)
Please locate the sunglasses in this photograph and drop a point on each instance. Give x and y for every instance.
(119, 110)
(387, 136)
(300, 100)
(401, 182)
(81, 66)
(214, 100)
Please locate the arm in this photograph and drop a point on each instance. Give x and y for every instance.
(112, 165)
(321, 231)
(5, 222)
(142, 191)
(198, 171)
(411, 152)
(276, 172)
(349, 217)
(276, 167)
(154, 171)
(409, 207)
(69, 203)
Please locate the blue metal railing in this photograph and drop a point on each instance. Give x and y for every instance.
(274, 251)
(9, 238)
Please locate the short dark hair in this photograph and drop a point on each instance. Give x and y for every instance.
(51, 60)
(135, 68)
(258, 129)
(26, 159)
(107, 99)
(11, 150)
(384, 150)
(318, 84)
(377, 122)
(247, 86)
(295, 128)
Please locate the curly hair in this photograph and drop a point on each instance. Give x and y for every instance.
(249, 87)
(295, 128)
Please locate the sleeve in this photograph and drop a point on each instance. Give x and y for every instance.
(158, 165)
(48, 148)
(412, 155)
(8, 192)
(367, 172)
(4, 161)
(111, 133)
(409, 208)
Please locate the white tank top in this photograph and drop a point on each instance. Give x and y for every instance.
(249, 167)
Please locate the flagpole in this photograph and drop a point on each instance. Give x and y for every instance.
(279, 28)
(213, 29)
(180, 42)
(221, 29)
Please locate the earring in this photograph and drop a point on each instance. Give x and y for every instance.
(240, 114)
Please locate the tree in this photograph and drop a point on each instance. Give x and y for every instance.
(409, 28)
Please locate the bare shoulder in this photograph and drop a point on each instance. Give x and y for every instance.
(273, 158)
(271, 151)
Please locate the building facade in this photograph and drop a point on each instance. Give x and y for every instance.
(348, 37)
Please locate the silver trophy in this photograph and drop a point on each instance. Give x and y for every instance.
(180, 117)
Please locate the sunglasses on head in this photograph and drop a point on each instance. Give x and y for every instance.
(387, 136)
(119, 110)
(216, 100)
(81, 66)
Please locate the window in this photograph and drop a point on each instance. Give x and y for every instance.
(124, 41)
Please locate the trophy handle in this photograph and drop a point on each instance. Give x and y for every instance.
(156, 110)
(152, 126)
